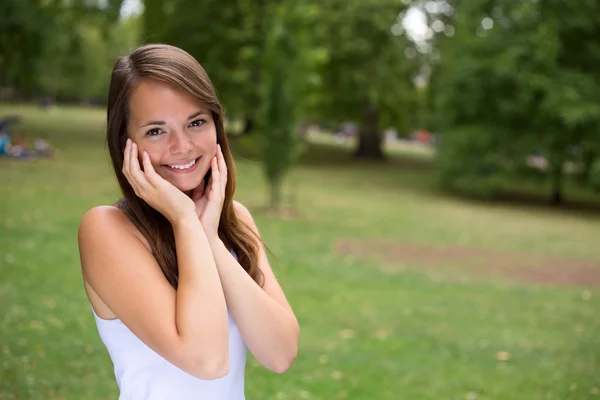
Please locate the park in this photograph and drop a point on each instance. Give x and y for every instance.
(416, 270)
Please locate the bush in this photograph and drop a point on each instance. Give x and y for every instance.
(594, 176)
(469, 163)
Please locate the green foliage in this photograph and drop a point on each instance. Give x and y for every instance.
(287, 61)
(362, 62)
(366, 64)
(77, 62)
(154, 20)
(58, 48)
(227, 39)
(367, 77)
(523, 75)
(594, 176)
(25, 28)
(468, 162)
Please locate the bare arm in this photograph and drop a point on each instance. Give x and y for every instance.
(188, 327)
(263, 315)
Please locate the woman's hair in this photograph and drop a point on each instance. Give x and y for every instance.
(179, 69)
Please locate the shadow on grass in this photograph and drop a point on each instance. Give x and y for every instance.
(542, 201)
(532, 201)
(334, 156)
(418, 174)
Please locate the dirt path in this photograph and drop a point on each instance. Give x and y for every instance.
(482, 263)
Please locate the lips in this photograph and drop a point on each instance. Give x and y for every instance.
(184, 166)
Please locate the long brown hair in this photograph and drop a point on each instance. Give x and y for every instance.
(175, 67)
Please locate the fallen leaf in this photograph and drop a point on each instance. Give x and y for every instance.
(586, 295)
(382, 334)
(346, 333)
(336, 375)
(502, 356)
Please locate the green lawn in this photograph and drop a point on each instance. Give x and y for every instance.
(369, 329)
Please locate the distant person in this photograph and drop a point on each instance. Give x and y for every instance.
(42, 148)
(46, 103)
(177, 277)
(16, 148)
(4, 143)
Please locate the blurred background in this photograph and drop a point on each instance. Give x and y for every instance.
(426, 173)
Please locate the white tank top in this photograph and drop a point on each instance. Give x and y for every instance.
(142, 374)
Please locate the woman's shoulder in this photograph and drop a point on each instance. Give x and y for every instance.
(103, 216)
(245, 217)
(242, 211)
(106, 220)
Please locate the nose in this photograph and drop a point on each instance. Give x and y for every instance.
(180, 143)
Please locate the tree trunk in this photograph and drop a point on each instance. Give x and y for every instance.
(370, 141)
(557, 178)
(588, 160)
(275, 195)
(248, 126)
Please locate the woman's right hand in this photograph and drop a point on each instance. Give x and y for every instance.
(159, 193)
(209, 199)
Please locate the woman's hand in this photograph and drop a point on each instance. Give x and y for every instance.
(209, 200)
(154, 189)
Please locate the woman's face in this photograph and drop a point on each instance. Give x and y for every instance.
(176, 131)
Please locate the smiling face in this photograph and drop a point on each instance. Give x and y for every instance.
(176, 131)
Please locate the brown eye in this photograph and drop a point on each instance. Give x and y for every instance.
(154, 132)
(198, 122)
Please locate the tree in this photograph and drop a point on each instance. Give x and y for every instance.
(287, 64)
(521, 75)
(24, 29)
(227, 38)
(57, 47)
(368, 77)
(154, 19)
(76, 63)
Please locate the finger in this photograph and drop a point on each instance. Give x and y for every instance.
(149, 171)
(134, 163)
(214, 176)
(133, 180)
(127, 166)
(136, 172)
(222, 165)
(209, 185)
(126, 157)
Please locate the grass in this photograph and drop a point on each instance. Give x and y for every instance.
(367, 332)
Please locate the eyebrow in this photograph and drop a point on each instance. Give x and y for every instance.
(194, 115)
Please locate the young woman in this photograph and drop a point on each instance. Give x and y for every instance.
(175, 271)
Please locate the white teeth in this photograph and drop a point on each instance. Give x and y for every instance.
(185, 166)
